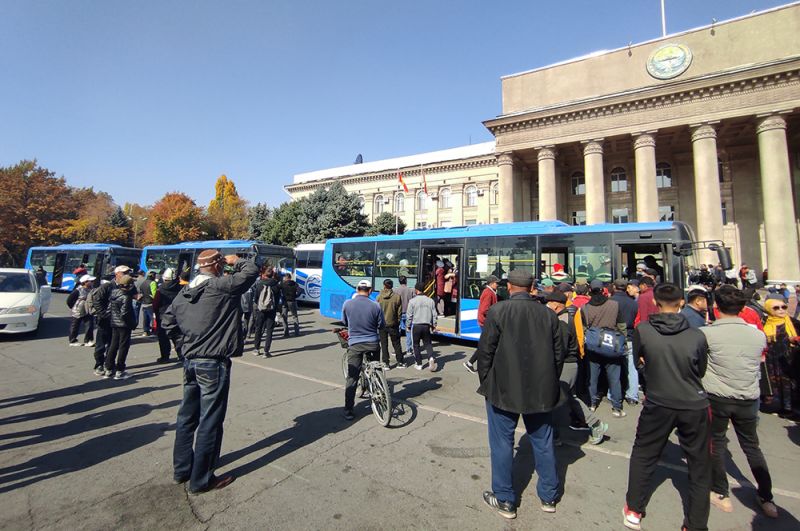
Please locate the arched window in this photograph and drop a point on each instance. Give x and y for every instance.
(444, 198)
(493, 194)
(663, 175)
(619, 180)
(378, 209)
(471, 193)
(422, 201)
(578, 183)
(399, 202)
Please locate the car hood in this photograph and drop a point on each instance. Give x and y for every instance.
(10, 300)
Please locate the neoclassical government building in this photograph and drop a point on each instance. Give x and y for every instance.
(701, 126)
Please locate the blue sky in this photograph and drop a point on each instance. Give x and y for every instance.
(138, 98)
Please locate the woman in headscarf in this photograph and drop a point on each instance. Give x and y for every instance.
(781, 359)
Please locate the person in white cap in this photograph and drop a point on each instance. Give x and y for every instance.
(77, 303)
(101, 312)
(363, 318)
(162, 300)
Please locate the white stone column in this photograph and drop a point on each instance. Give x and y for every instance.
(706, 188)
(548, 199)
(644, 148)
(776, 190)
(505, 164)
(595, 182)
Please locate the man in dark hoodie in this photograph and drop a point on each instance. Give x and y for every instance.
(207, 314)
(165, 294)
(675, 358)
(391, 305)
(266, 310)
(289, 292)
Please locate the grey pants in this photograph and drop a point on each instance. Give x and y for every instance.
(579, 410)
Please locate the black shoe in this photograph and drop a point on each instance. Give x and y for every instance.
(348, 414)
(215, 484)
(162, 360)
(504, 509)
(179, 481)
(632, 402)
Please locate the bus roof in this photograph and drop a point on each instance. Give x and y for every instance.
(309, 247)
(513, 229)
(205, 244)
(82, 247)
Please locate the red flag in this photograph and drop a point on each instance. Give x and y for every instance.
(401, 181)
(424, 183)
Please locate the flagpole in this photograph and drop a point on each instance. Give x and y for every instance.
(663, 20)
(397, 219)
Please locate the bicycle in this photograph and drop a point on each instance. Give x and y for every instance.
(371, 380)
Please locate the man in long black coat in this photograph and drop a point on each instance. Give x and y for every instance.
(519, 361)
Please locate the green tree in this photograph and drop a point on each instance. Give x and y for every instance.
(227, 212)
(258, 218)
(385, 224)
(119, 219)
(283, 227)
(330, 213)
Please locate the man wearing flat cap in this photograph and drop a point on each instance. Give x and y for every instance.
(206, 314)
(520, 354)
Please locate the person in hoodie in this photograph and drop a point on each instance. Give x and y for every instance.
(289, 292)
(406, 293)
(79, 312)
(675, 358)
(581, 294)
(602, 312)
(391, 306)
(421, 322)
(122, 322)
(162, 300)
(207, 316)
(266, 310)
(731, 381)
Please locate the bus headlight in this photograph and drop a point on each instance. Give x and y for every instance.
(20, 309)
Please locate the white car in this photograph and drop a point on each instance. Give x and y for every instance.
(22, 302)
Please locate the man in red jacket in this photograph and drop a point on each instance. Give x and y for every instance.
(646, 301)
(488, 299)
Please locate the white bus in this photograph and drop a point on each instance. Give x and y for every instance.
(308, 270)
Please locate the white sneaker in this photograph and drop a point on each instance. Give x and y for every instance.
(418, 366)
(89, 344)
(76, 344)
(121, 375)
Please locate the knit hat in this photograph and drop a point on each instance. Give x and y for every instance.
(209, 257)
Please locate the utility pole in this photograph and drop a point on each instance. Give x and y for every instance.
(663, 20)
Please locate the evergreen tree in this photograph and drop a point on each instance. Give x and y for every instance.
(119, 219)
(258, 219)
(330, 213)
(385, 224)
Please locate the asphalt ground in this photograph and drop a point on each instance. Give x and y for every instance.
(81, 452)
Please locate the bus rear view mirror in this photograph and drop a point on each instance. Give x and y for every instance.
(724, 256)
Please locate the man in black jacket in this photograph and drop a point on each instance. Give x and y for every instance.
(519, 360)
(101, 311)
(628, 310)
(165, 294)
(675, 359)
(289, 291)
(266, 310)
(207, 315)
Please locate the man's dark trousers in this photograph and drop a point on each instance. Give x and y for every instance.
(265, 324)
(743, 414)
(393, 332)
(694, 431)
(421, 332)
(75, 328)
(539, 427)
(102, 340)
(290, 306)
(206, 383)
(118, 349)
(355, 356)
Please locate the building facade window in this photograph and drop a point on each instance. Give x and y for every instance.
(663, 175)
(493, 193)
(619, 180)
(579, 217)
(422, 201)
(470, 222)
(578, 183)
(400, 202)
(619, 215)
(471, 194)
(724, 213)
(422, 224)
(444, 198)
(720, 170)
(666, 213)
(378, 209)
(362, 203)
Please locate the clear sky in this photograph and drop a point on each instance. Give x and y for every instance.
(138, 98)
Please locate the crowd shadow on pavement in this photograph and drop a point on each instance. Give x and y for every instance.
(93, 421)
(304, 348)
(81, 456)
(307, 429)
(793, 431)
(455, 356)
(85, 405)
(415, 388)
(524, 466)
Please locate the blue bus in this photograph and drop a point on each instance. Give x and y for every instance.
(549, 249)
(60, 261)
(181, 256)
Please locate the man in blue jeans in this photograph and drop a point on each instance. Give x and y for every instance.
(520, 355)
(206, 315)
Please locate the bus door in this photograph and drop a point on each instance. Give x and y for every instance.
(58, 270)
(185, 262)
(99, 263)
(446, 264)
(652, 254)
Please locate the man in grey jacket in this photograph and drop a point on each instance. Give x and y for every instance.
(731, 381)
(420, 322)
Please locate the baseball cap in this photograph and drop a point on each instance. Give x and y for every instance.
(169, 274)
(362, 284)
(621, 283)
(492, 278)
(122, 269)
(547, 283)
(596, 284)
(556, 296)
(86, 278)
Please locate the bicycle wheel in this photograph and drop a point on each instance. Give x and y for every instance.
(381, 399)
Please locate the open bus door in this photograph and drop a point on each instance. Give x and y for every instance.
(58, 270)
(655, 255)
(185, 262)
(448, 306)
(99, 263)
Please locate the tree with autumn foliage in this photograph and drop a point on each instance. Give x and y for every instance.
(227, 212)
(175, 218)
(35, 208)
(95, 221)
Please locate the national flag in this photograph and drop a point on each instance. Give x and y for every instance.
(401, 181)
(424, 182)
